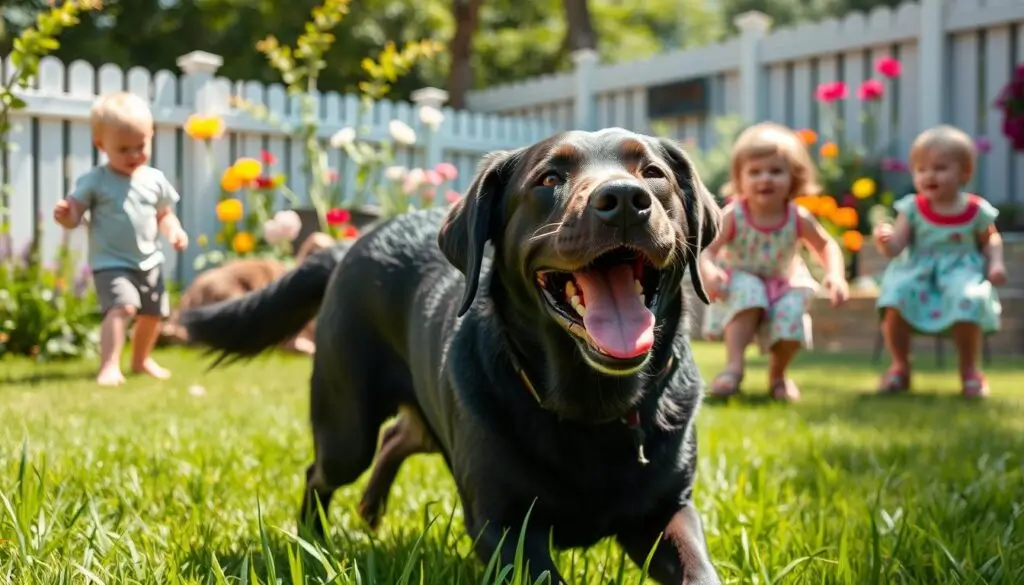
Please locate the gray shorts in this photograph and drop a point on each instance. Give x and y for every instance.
(142, 289)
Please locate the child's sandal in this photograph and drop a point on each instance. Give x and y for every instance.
(894, 382)
(784, 390)
(726, 384)
(974, 385)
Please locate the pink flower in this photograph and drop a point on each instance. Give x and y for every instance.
(447, 170)
(831, 91)
(452, 196)
(893, 165)
(413, 179)
(268, 157)
(870, 90)
(983, 144)
(888, 66)
(433, 177)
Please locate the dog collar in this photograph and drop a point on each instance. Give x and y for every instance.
(631, 420)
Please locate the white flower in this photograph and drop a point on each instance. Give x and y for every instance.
(289, 222)
(431, 117)
(402, 132)
(343, 137)
(395, 173)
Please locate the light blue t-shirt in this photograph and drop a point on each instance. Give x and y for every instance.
(123, 227)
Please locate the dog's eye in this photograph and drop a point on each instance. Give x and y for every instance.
(653, 172)
(550, 179)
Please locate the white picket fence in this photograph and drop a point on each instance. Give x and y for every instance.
(53, 145)
(956, 56)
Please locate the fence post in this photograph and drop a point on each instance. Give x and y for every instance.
(586, 67)
(200, 177)
(431, 97)
(753, 27)
(931, 53)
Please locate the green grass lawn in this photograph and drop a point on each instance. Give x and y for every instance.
(197, 480)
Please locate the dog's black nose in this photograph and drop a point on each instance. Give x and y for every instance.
(621, 203)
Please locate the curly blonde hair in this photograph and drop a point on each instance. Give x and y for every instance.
(768, 139)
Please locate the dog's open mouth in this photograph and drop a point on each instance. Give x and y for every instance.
(608, 306)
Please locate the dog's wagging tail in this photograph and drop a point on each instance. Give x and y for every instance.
(533, 334)
(257, 321)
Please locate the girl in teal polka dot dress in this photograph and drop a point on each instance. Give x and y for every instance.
(753, 272)
(947, 258)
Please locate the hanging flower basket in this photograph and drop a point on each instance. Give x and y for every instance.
(1011, 103)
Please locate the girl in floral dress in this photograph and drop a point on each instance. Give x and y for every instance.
(948, 257)
(755, 276)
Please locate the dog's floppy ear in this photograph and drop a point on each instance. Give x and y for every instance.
(703, 215)
(469, 223)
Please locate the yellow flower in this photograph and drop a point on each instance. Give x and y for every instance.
(829, 150)
(230, 181)
(247, 169)
(202, 240)
(863, 188)
(853, 241)
(229, 210)
(204, 127)
(243, 242)
(277, 181)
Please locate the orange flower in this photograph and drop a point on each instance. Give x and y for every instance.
(829, 150)
(229, 210)
(845, 217)
(808, 202)
(230, 181)
(853, 240)
(243, 242)
(826, 206)
(350, 232)
(807, 136)
(204, 127)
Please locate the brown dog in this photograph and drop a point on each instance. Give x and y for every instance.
(236, 278)
(554, 372)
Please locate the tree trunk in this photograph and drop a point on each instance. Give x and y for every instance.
(460, 73)
(580, 33)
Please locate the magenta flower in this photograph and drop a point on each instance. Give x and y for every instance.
(831, 91)
(870, 90)
(888, 66)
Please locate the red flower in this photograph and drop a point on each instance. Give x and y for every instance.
(888, 66)
(831, 91)
(264, 182)
(268, 157)
(338, 216)
(350, 232)
(870, 90)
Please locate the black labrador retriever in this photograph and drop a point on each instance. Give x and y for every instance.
(554, 374)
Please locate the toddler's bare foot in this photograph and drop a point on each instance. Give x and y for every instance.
(152, 368)
(110, 376)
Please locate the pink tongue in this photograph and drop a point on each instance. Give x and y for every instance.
(618, 323)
